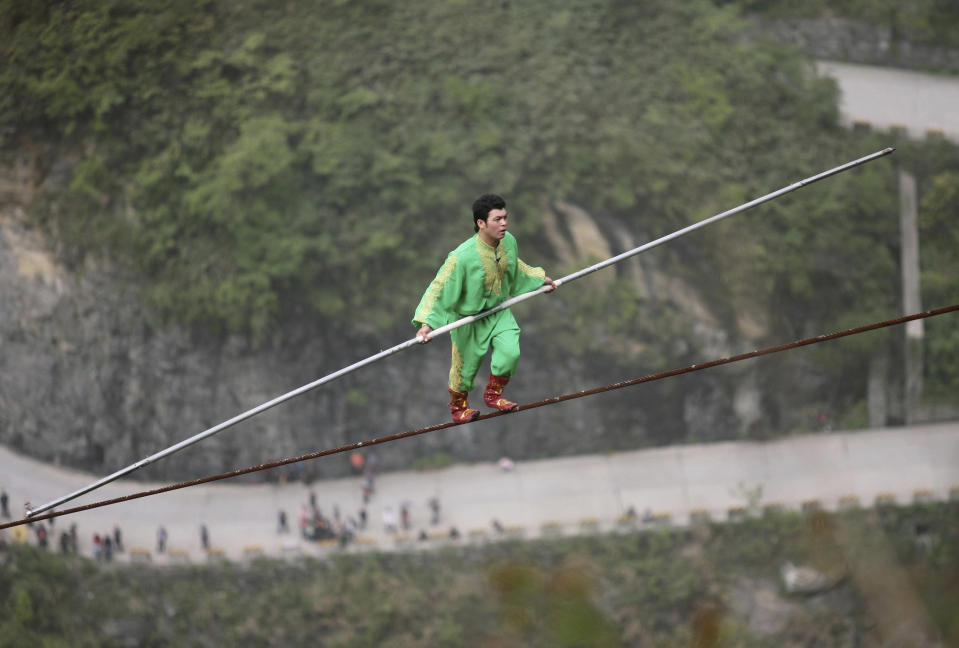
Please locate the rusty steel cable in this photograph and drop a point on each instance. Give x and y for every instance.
(549, 401)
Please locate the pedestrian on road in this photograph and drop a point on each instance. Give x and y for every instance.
(281, 526)
(204, 537)
(480, 274)
(117, 539)
(4, 504)
(307, 522)
(348, 532)
(405, 515)
(161, 539)
(367, 491)
(389, 520)
(434, 511)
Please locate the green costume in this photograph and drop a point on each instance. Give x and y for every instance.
(475, 278)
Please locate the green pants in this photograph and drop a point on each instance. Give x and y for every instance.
(472, 341)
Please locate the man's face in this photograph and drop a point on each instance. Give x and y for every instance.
(494, 229)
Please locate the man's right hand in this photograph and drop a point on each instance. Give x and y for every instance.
(424, 333)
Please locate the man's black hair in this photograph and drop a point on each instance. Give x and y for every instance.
(483, 205)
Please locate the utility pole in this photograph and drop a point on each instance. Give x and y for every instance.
(911, 301)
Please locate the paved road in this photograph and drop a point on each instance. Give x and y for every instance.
(888, 98)
(675, 481)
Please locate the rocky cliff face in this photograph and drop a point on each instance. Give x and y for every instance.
(858, 42)
(90, 379)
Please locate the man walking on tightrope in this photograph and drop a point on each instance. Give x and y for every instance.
(480, 274)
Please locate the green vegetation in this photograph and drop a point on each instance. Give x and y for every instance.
(260, 163)
(938, 213)
(434, 461)
(662, 588)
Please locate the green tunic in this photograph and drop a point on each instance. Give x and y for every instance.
(475, 278)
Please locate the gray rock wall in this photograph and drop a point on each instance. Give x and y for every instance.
(858, 42)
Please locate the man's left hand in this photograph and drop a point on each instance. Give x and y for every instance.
(552, 285)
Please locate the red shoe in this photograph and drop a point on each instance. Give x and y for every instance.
(494, 394)
(460, 409)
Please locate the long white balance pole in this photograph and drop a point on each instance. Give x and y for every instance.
(444, 329)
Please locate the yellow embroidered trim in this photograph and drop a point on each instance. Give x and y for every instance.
(493, 271)
(530, 271)
(436, 287)
(456, 369)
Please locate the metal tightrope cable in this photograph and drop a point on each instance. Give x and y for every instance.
(549, 401)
